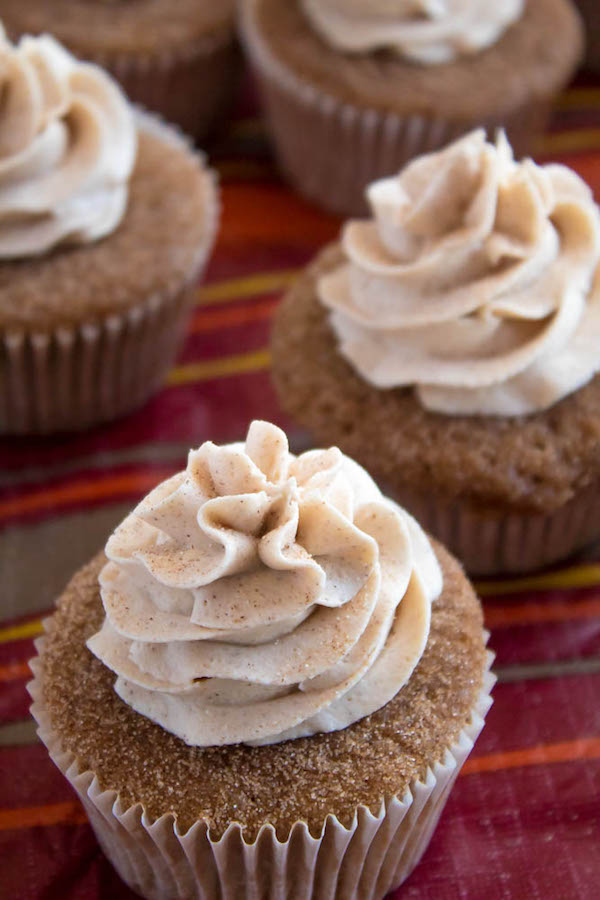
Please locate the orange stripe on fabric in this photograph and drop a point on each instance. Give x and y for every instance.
(80, 491)
(14, 671)
(230, 318)
(70, 813)
(567, 751)
(531, 613)
(495, 617)
(254, 214)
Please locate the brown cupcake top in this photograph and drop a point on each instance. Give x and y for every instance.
(93, 28)
(535, 463)
(532, 60)
(305, 779)
(156, 249)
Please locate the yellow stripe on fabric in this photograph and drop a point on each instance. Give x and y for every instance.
(248, 286)
(583, 576)
(21, 632)
(579, 98)
(240, 364)
(569, 141)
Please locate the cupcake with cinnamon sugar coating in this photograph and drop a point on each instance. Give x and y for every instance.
(354, 89)
(178, 59)
(276, 677)
(451, 343)
(107, 219)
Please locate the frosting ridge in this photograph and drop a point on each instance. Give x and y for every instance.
(424, 31)
(259, 597)
(473, 282)
(67, 148)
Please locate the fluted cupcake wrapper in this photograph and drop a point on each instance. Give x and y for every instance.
(192, 87)
(364, 861)
(77, 376)
(496, 542)
(331, 151)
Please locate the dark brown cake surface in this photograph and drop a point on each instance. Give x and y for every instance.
(305, 779)
(92, 28)
(155, 249)
(535, 463)
(531, 60)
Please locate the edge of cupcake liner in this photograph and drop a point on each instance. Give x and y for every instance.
(365, 859)
(190, 84)
(356, 145)
(490, 542)
(165, 58)
(79, 375)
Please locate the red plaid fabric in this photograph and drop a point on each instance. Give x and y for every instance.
(523, 819)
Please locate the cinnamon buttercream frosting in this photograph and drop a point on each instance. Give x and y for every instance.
(475, 282)
(67, 149)
(260, 596)
(424, 31)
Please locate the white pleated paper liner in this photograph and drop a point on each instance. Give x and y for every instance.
(82, 375)
(363, 862)
(331, 150)
(496, 542)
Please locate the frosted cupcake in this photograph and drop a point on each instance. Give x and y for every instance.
(107, 218)
(355, 88)
(268, 684)
(176, 58)
(451, 344)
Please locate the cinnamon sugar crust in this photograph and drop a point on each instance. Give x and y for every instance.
(305, 779)
(532, 60)
(534, 463)
(156, 249)
(92, 28)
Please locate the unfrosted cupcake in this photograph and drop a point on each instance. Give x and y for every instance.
(451, 344)
(268, 685)
(107, 218)
(355, 88)
(176, 58)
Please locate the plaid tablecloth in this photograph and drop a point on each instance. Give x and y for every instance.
(524, 818)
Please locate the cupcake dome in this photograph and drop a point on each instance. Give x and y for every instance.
(353, 90)
(177, 59)
(345, 635)
(459, 326)
(108, 219)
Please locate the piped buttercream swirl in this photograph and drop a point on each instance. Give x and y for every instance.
(424, 31)
(67, 149)
(259, 596)
(474, 282)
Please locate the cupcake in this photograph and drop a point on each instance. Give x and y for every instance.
(591, 20)
(269, 682)
(451, 343)
(178, 59)
(108, 218)
(353, 89)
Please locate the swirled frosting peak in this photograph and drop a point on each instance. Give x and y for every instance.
(475, 281)
(424, 31)
(259, 596)
(67, 149)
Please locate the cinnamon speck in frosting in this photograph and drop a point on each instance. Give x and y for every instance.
(252, 598)
(476, 281)
(307, 778)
